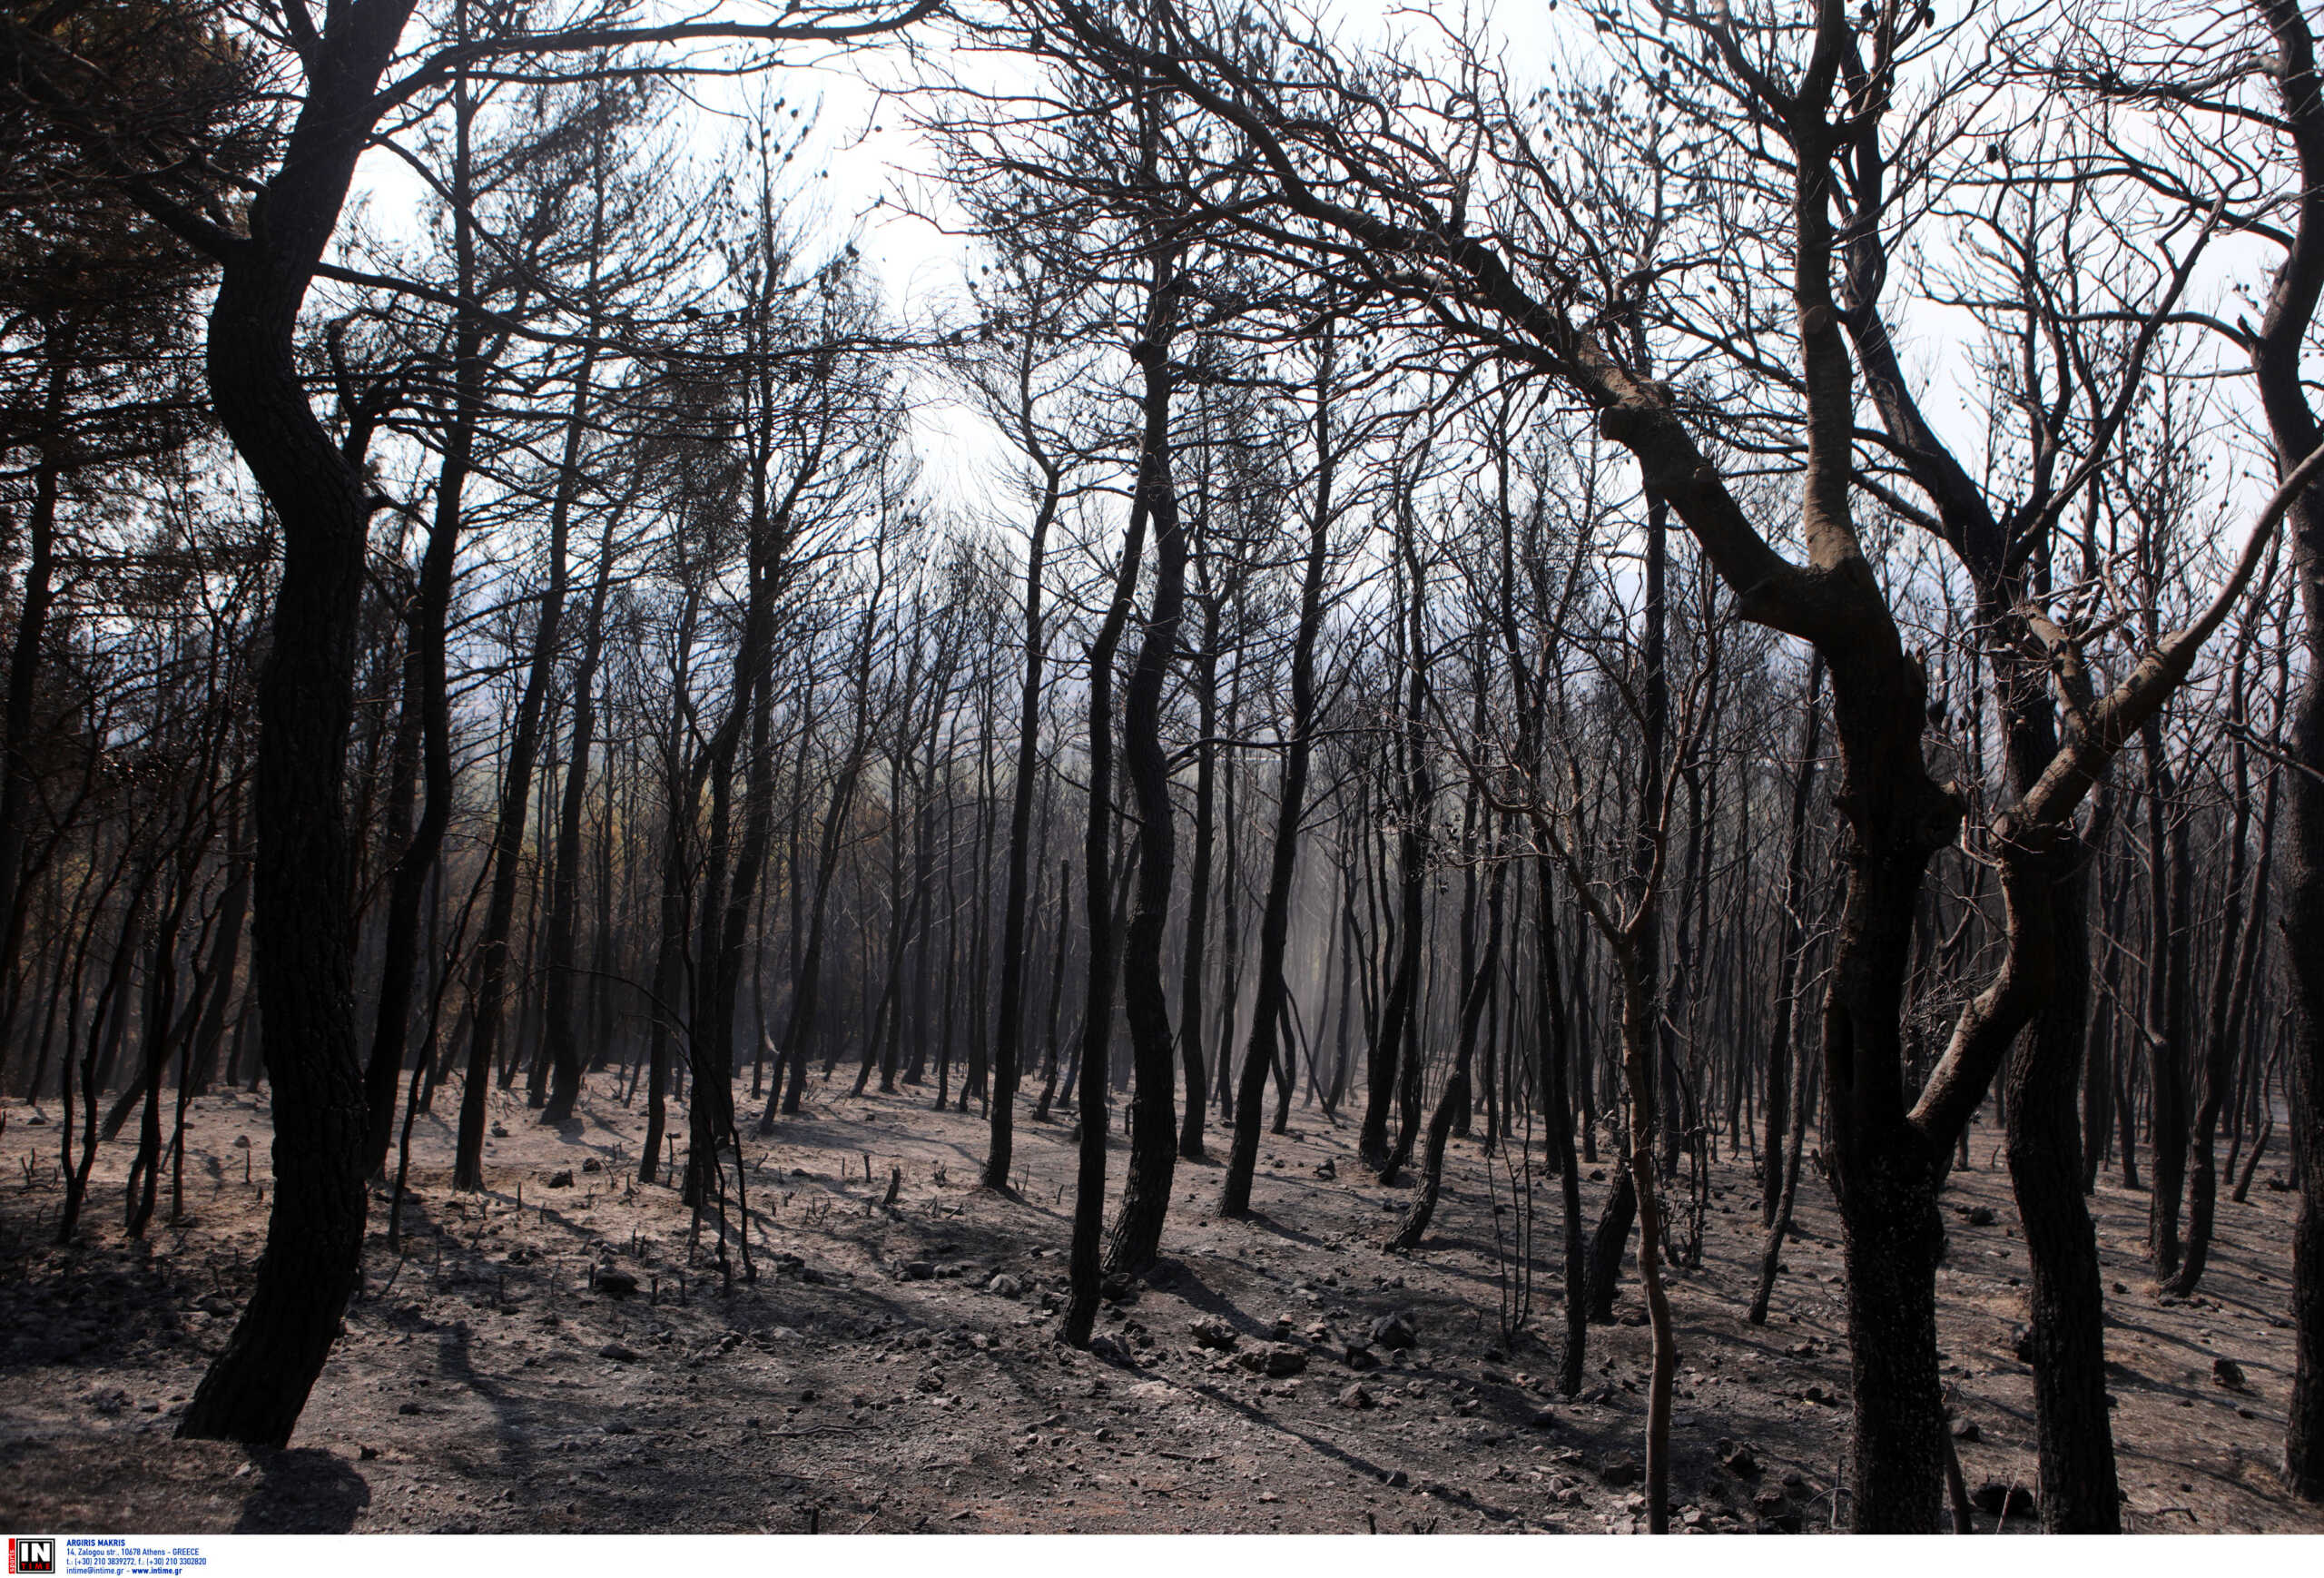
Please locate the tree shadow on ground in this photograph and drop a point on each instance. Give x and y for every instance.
(303, 1491)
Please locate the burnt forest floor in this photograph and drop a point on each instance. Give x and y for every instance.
(876, 1376)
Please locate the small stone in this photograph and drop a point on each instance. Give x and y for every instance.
(1768, 1502)
(1105, 1346)
(1396, 1331)
(1274, 1360)
(1619, 1471)
(406, 1408)
(562, 1178)
(1543, 1419)
(615, 1283)
(1005, 1286)
(499, 1132)
(1967, 1430)
(919, 1271)
(1631, 1314)
(591, 1164)
(618, 1428)
(1981, 1215)
(618, 1353)
(1212, 1331)
(1356, 1395)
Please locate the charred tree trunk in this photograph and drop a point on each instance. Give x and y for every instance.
(1154, 1124)
(1275, 917)
(25, 654)
(1194, 958)
(2169, 878)
(2277, 352)
(1007, 1040)
(1098, 1001)
(1455, 1095)
(303, 932)
(558, 1018)
(1392, 1063)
